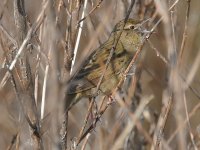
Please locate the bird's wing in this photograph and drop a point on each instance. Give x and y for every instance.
(88, 77)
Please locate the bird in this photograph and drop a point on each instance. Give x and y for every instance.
(125, 38)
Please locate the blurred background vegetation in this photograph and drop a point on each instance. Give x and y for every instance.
(157, 108)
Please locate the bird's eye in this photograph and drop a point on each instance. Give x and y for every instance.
(132, 27)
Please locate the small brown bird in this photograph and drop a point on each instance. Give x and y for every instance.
(84, 82)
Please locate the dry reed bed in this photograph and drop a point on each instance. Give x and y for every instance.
(156, 108)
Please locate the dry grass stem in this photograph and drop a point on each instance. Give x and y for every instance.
(154, 103)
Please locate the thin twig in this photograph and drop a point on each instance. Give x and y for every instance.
(162, 121)
(78, 36)
(86, 120)
(21, 27)
(44, 91)
(91, 11)
(185, 32)
(85, 142)
(13, 141)
(188, 123)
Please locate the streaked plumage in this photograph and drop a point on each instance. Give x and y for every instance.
(84, 82)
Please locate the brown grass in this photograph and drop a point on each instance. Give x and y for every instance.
(156, 108)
